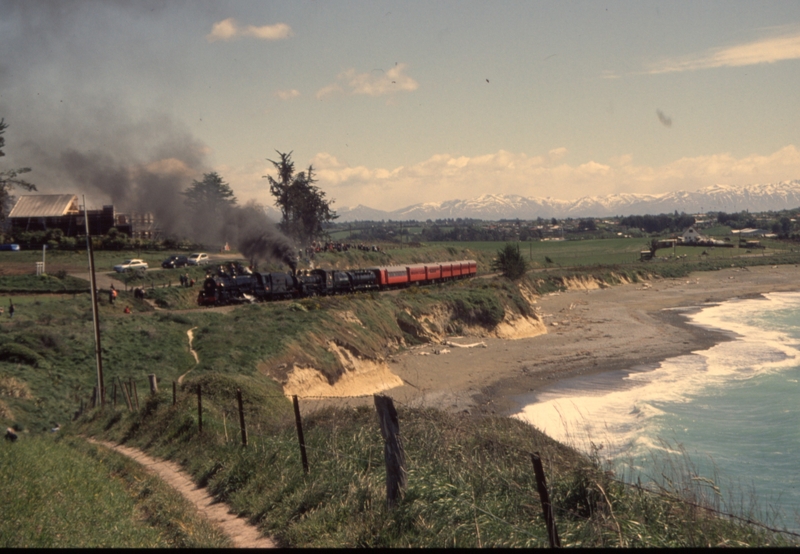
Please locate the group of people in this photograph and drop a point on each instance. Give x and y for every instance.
(330, 246)
(186, 281)
(112, 297)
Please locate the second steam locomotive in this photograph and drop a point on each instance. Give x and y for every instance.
(234, 284)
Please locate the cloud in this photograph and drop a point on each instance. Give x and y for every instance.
(329, 90)
(287, 94)
(278, 31)
(665, 120)
(374, 83)
(446, 177)
(223, 30)
(229, 29)
(768, 50)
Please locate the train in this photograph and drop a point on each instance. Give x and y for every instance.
(236, 284)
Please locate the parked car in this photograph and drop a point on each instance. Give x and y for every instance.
(130, 265)
(10, 247)
(175, 261)
(200, 258)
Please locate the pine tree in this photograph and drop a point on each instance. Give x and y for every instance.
(510, 262)
(303, 206)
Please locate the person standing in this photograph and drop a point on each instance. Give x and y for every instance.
(10, 308)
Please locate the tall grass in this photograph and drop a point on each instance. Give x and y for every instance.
(470, 479)
(68, 494)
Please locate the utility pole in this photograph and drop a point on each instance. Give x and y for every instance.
(98, 357)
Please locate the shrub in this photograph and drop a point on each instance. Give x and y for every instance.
(480, 307)
(16, 353)
(510, 262)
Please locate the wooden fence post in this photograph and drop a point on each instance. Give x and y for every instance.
(393, 451)
(241, 416)
(199, 409)
(135, 393)
(174, 393)
(547, 507)
(153, 383)
(126, 393)
(300, 438)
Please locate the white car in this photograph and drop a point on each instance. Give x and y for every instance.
(200, 258)
(130, 265)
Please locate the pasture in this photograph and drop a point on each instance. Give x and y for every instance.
(612, 252)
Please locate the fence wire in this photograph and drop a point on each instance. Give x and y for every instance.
(551, 462)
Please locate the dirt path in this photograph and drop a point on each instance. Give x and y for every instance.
(102, 280)
(240, 532)
(192, 351)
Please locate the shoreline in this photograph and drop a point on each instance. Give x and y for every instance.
(622, 327)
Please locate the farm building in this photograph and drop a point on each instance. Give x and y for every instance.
(692, 235)
(42, 212)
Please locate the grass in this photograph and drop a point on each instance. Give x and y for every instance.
(17, 284)
(73, 261)
(581, 254)
(58, 330)
(65, 493)
(470, 480)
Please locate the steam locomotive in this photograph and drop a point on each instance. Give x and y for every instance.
(234, 284)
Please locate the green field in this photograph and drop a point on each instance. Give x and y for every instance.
(610, 252)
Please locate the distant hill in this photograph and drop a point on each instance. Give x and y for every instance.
(724, 198)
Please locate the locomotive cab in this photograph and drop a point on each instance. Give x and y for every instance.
(277, 285)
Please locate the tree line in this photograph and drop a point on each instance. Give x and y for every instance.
(659, 223)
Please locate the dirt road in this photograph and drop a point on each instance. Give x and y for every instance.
(240, 532)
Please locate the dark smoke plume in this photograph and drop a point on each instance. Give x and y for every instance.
(258, 238)
(93, 116)
(135, 187)
(83, 115)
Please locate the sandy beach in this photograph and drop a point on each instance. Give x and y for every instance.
(588, 331)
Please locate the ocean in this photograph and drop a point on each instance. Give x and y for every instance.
(726, 419)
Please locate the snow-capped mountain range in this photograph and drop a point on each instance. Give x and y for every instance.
(718, 198)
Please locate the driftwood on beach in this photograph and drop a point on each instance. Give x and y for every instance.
(473, 345)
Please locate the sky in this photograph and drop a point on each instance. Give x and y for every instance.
(395, 103)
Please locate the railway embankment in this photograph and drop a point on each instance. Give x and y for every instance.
(355, 354)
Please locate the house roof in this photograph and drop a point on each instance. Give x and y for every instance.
(45, 205)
